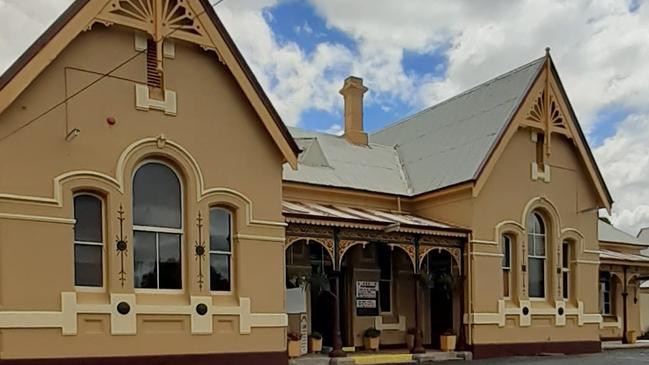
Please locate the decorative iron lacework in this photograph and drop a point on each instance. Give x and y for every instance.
(199, 251)
(121, 245)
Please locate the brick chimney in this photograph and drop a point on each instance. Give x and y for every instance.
(352, 92)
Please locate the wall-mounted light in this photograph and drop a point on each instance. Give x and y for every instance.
(72, 134)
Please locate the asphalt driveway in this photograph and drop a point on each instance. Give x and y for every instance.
(614, 357)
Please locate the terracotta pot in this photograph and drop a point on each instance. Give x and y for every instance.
(293, 348)
(371, 343)
(315, 345)
(447, 342)
(410, 341)
(631, 337)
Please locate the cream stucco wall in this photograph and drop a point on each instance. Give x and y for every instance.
(222, 151)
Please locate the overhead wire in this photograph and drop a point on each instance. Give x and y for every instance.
(94, 82)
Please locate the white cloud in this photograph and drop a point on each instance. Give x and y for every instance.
(600, 48)
(21, 22)
(625, 161)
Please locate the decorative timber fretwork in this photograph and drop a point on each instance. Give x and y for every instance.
(308, 231)
(160, 19)
(545, 114)
(537, 114)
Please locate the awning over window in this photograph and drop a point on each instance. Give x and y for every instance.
(365, 218)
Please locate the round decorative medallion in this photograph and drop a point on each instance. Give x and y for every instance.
(123, 308)
(121, 245)
(526, 311)
(561, 311)
(201, 309)
(200, 250)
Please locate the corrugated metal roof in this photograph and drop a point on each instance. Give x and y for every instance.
(359, 215)
(607, 233)
(619, 256)
(435, 148)
(446, 144)
(332, 161)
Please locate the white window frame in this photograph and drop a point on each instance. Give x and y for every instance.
(84, 288)
(158, 230)
(230, 253)
(506, 238)
(543, 258)
(565, 269)
(602, 288)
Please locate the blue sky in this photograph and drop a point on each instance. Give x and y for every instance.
(300, 23)
(413, 54)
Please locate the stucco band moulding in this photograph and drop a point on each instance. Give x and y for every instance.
(560, 311)
(123, 311)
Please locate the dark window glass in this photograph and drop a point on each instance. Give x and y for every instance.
(219, 272)
(169, 261)
(157, 220)
(145, 262)
(506, 252)
(87, 265)
(221, 249)
(156, 197)
(565, 253)
(87, 213)
(219, 230)
(88, 237)
(566, 285)
(384, 255)
(537, 277)
(384, 296)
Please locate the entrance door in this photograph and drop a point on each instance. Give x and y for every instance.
(438, 266)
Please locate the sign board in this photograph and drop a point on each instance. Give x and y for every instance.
(295, 301)
(304, 331)
(367, 298)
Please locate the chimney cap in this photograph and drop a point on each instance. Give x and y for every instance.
(353, 82)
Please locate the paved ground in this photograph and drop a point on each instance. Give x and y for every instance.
(613, 357)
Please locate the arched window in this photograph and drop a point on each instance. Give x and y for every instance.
(507, 264)
(536, 240)
(220, 250)
(565, 269)
(88, 241)
(157, 227)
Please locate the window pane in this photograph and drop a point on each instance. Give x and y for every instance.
(540, 245)
(565, 253)
(156, 197)
(506, 283)
(144, 263)
(531, 245)
(219, 230)
(385, 264)
(169, 251)
(384, 296)
(87, 212)
(87, 265)
(219, 272)
(536, 278)
(506, 251)
(565, 285)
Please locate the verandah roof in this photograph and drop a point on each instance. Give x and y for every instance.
(365, 218)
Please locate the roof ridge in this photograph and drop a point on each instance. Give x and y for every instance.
(464, 93)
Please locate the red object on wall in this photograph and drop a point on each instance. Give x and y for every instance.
(111, 121)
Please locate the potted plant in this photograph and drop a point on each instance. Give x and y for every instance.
(447, 340)
(315, 342)
(371, 339)
(410, 338)
(293, 344)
